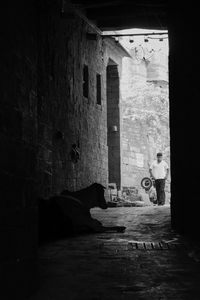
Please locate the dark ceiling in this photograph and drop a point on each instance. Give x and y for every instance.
(115, 15)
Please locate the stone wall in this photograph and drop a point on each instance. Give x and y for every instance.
(64, 50)
(145, 111)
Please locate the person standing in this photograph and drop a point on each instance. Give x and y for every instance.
(159, 171)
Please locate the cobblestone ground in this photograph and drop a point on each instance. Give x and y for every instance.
(109, 266)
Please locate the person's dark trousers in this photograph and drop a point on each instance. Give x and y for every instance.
(160, 190)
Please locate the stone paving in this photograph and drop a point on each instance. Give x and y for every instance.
(108, 266)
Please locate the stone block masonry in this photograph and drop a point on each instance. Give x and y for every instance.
(64, 51)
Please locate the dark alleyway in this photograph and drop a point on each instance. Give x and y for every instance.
(108, 266)
(54, 59)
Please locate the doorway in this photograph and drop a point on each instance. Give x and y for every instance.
(113, 124)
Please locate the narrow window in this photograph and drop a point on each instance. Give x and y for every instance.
(85, 81)
(98, 88)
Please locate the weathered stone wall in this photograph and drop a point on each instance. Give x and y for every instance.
(64, 49)
(145, 111)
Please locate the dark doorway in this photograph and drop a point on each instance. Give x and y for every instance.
(113, 124)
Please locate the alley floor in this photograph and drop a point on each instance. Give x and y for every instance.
(148, 261)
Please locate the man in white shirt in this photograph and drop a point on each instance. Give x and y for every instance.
(159, 171)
